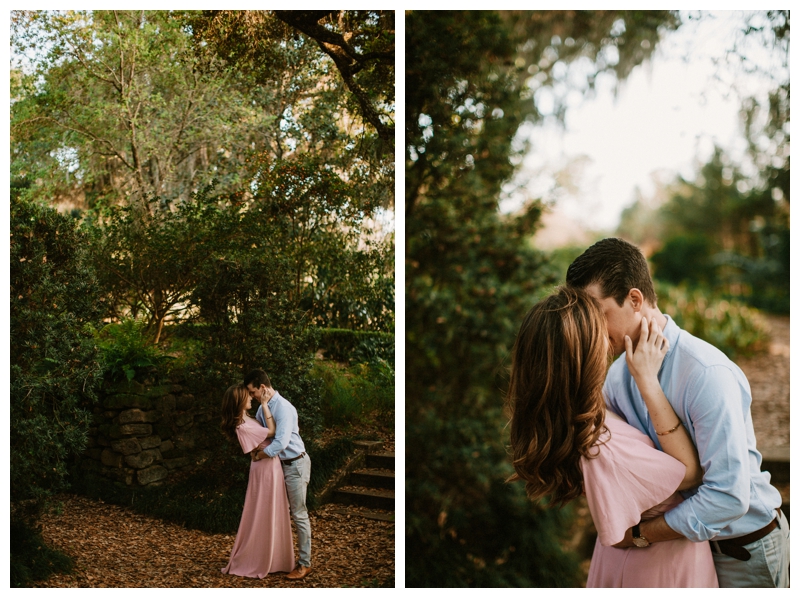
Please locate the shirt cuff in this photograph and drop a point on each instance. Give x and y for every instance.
(687, 524)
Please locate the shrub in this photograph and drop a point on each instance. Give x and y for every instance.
(727, 324)
(356, 346)
(356, 394)
(686, 258)
(54, 361)
(31, 559)
(54, 372)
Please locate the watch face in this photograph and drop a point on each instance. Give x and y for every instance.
(641, 542)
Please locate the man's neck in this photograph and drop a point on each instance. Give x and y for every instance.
(654, 312)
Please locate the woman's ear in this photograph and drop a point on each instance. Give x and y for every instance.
(637, 299)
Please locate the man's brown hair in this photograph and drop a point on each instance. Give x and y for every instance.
(617, 266)
(257, 378)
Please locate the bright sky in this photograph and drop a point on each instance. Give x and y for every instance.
(666, 116)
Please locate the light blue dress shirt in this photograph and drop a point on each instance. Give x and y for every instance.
(711, 396)
(287, 443)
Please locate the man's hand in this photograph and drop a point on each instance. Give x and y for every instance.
(654, 530)
(627, 541)
(254, 454)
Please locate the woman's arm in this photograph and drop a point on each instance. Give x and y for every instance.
(644, 364)
(268, 419)
(258, 453)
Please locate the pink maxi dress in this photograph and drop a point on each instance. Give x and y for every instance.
(632, 480)
(264, 541)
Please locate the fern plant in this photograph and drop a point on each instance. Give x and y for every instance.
(126, 350)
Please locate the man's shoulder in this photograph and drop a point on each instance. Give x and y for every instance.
(281, 401)
(694, 351)
(699, 362)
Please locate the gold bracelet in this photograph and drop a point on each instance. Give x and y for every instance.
(678, 425)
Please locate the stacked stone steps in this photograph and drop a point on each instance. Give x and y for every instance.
(370, 487)
(373, 478)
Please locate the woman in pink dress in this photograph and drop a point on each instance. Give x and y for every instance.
(264, 541)
(565, 443)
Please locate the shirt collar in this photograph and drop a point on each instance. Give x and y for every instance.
(671, 332)
(272, 400)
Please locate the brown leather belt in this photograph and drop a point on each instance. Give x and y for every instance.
(300, 456)
(734, 547)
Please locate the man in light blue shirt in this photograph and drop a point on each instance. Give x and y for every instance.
(295, 462)
(735, 507)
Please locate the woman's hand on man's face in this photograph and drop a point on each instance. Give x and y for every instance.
(645, 362)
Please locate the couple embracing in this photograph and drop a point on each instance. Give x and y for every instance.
(279, 473)
(661, 444)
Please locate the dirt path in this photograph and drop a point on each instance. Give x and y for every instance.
(115, 547)
(769, 382)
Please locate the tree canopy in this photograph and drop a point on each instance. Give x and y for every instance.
(120, 106)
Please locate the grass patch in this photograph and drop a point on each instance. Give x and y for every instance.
(356, 395)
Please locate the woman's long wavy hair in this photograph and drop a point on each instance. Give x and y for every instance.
(555, 393)
(233, 404)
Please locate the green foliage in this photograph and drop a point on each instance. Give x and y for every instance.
(120, 106)
(727, 324)
(54, 366)
(360, 45)
(685, 258)
(721, 233)
(356, 346)
(477, 531)
(355, 292)
(356, 394)
(126, 350)
(148, 264)
(31, 559)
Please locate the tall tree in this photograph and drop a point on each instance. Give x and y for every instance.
(352, 124)
(728, 228)
(142, 112)
(116, 106)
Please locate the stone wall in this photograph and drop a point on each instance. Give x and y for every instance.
(146, 434)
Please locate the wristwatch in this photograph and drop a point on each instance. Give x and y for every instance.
(638, 539)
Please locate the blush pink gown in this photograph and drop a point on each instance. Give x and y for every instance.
(632, 480)
(264, 541)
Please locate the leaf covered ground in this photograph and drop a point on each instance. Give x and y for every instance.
(113, 546)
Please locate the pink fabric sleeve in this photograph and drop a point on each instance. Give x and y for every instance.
(625, 480)
(250, 435)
